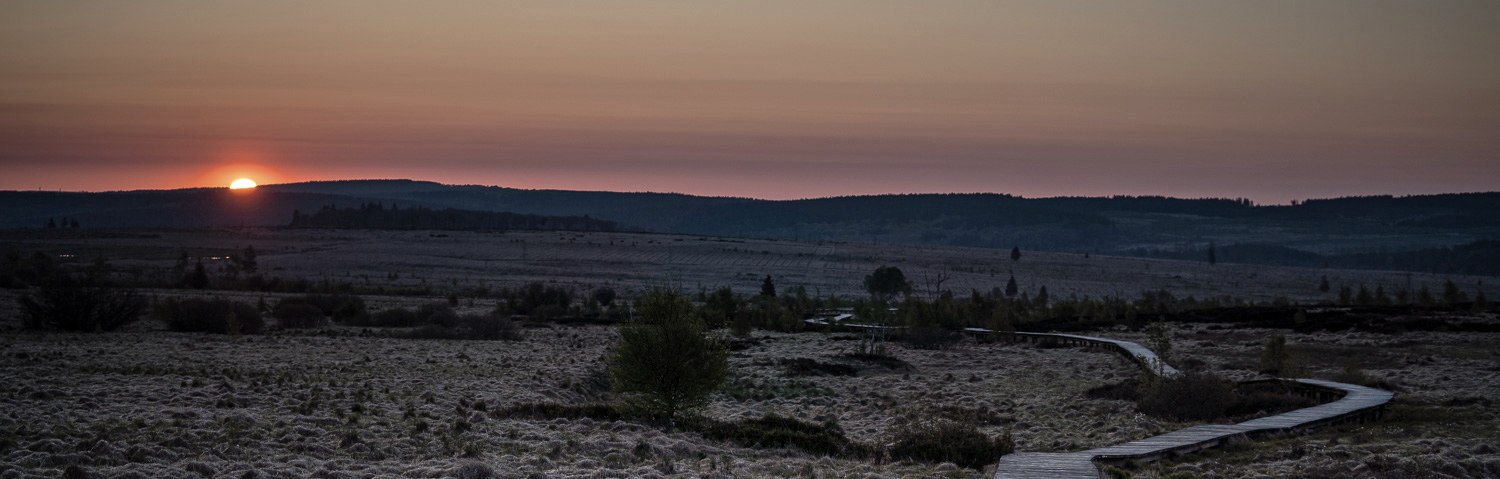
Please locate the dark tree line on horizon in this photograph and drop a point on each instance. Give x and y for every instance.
(379, 216)
(1476, 258)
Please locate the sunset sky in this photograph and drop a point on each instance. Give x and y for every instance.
(1271, 100)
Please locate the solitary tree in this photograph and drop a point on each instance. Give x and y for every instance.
(1041, 297)
(1015, 253)
(886, 282)
(663, 364)
(767, 287)
(198, 279)
(1010, 286)
(1451, 294)
(1274, 359)
(245, 261)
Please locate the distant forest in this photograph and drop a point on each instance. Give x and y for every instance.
(1477, 258)
(1430, 233)
(378, 216)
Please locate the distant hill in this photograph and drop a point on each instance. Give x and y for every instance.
(1375, 225)
(378, 216)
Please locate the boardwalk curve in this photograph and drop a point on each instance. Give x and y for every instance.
(1353, 403)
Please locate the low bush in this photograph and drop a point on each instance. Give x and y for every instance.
(541, 410)
(491, 326)
(812, 367)
(1189, 397)
(777, 431)
(930, 337)
(342, 308)
(72, 304)
(218, 316)
(297, 315)
(438, 314)
(936, 439)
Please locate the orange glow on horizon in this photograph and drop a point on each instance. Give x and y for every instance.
(242, 184)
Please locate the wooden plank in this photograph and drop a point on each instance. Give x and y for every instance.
(1355, 400)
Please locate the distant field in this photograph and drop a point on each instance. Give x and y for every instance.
(445, 261)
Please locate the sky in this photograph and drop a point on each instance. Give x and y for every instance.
(1272, 100)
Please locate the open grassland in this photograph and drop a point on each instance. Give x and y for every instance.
(165, 404)
(343, 401)
(445, 262)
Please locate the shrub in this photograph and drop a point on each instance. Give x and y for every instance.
(932, 439)
(474, 470)
(391, 318)
(297, 315)
(664, 364)
(777, 431)
(218, 316)
(1188, 397)
(1274, 359)
(438, 314)
(492, 326)
(930, 337)
(343, 308)
(87, 305)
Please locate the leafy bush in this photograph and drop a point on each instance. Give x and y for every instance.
(936, 439)
(219, 316)
(297, 315)
(72, 304)
(663, 364)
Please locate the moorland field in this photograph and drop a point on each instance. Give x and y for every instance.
(344, 398)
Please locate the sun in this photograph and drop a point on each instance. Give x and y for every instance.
(242, 184)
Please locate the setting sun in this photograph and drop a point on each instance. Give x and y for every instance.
(242, 184)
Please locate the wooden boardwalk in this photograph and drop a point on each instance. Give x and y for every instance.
(1354, 403)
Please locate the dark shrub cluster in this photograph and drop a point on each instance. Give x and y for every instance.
(79, 304)
(542, 410)
(437, 314)
(812, 367)
(777, 431)
(298, 315)
(219, 316)
(940, 439)
(342, 308)
(1189, 397)
(1203, 397)
(490, 326)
